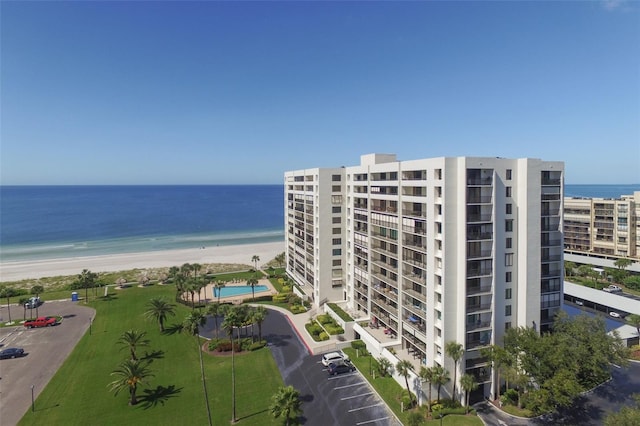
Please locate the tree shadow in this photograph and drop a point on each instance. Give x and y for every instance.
(251, 415)
(159, 395)
(108, 298)
(69, 316)
(150, 356)
(172, 329)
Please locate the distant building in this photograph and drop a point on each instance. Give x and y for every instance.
(430, 251)
(603, 227)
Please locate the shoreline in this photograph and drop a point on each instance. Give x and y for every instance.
(239, 253)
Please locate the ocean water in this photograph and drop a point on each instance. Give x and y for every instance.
(42, 222)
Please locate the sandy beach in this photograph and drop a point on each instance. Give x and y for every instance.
(242, 254)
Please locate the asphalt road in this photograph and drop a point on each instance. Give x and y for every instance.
(46, 348)
(345, 399)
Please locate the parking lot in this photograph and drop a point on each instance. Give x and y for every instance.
(344, 399)
(45, 348)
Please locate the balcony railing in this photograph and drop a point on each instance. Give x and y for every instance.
(479, 199)
(479, 272)
(479, 218)
(478, 325)
(478, 307)
(471, 290)
(475, 254)
(476, 236)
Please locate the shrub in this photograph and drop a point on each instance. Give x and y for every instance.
(509, 397)
(333, 329)
(297, 309)
(293, 299)
(324, 319)
(632, 282)
(315, 329)
(323, 336)
(279, 298)
(257, 345)
(225, 346)
(437, 407)
(358, 344)
(286, 289)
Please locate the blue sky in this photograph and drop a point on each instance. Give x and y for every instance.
(239, 92)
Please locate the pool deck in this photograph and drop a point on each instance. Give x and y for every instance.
(207, 292)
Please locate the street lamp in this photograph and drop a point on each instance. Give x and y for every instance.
(33, 406)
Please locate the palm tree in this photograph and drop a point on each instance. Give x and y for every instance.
(455, 351)
(232, 320)
(622, 263)
(87, 279)
(192, 323)
(7, 293)
(259, 315)
(196, 267)
(219, 286)
(185, 269)
(498, 357)
(23, 302)
(252, 282)
(468, 384)
(280, 259)
(404, 368)
(427, 375)
(255, 259)
(133, 339)
(214, 310)
(286, 403)
(159, 308)
(37, 290)
(440, 377)
(191, 286)
(130, 373)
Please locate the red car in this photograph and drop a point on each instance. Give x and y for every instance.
(41, 322)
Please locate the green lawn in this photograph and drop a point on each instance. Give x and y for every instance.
(78, 393)
(391, 391)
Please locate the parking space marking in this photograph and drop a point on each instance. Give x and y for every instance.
(348, 386)
(373, 421)
(355, 396)
(364, 408)
(338, 376)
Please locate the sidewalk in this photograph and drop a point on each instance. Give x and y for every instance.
(298, 322)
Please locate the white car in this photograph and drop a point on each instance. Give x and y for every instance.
(614, 314)
(33, 303)
(334, 357)
(612, 289)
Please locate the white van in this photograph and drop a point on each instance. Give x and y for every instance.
(334, 357)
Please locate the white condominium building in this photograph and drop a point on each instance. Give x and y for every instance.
(432, 250)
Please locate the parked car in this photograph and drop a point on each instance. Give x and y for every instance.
(612, 289)
(614, 314)
(335, 357)
(33, 303)
(11, 353)
(343, 367)
(41, 322)
(579, 302)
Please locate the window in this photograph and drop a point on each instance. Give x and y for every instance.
(336, 209)
(337, 252)
(507, 293)
(438, 173)
(507, 310)
(508, 225)
(509, 208)
(507, 325)
(508, 174)
(508, 191)
(336, 188)
(439, 315)
(336, 178)
(336, 219)
(336, 241)
(336, 231)
(508, 277)
(337, 262)
(508, 259)
(509, 243)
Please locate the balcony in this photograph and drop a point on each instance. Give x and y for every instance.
(478, 289)
(478, 325)
(479, 272)
(478, 254)
(478, 307)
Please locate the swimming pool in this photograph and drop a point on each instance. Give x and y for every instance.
(238, 290)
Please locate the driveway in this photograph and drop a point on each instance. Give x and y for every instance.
(346, 399)
(46, 349)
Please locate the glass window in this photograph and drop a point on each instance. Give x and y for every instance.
(509, 174)
(508, 191)
(508, 259)
(508, 225)
(509, 243)
(507, 293)
(508, 277)
(509, 208)
(507, 310)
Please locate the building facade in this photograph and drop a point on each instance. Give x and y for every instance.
(603, 227)
(432, 250)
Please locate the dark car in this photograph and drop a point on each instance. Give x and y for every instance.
(343, 367)
(11, 353)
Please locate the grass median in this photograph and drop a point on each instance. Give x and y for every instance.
(78, 392)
